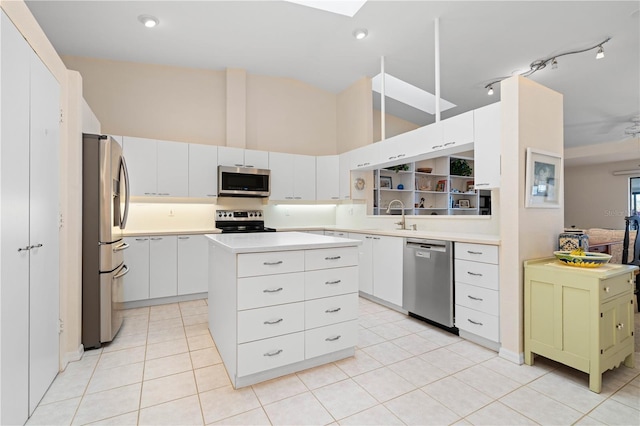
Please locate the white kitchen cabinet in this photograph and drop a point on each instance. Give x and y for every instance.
(193, 264)
(380, 260)
(365, 157)
(487, 123)
(344, 164)
(293, 177)
(203, 170)
(457, 130)
(136, 283)
(163, 268)
(157, 168)
(336, 234)
(173, 169)
(239, 157)
(29, 218)
(328, 177)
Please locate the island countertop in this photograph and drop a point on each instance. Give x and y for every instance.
(255, 242)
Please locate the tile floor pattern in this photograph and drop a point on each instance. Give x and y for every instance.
(163, 368)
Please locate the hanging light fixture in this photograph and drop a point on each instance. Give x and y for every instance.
(542, 63)
(148, 20)
(490, 91)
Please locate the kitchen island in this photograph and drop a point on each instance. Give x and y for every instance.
(281, 302)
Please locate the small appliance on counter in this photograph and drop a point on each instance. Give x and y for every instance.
(105, 207)
(240, 221)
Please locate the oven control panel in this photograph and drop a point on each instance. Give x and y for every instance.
(238, 214)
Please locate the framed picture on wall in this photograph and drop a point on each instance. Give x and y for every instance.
(543, 179)
(385, 182)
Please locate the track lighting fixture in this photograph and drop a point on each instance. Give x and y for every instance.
(542, 63)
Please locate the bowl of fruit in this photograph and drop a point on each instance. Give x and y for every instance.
(581, 258)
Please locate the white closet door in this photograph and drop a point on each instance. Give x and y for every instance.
(14, 220)
(43, 234)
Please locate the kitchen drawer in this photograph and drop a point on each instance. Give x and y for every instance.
(255, 324)
(478, 323)
(276, 262)
(478, 298)
(615, 286)
(270, 353)
(476, 273)
(330, 258)
(330, 282)
(330, 310)
(332, 338)
(476, 252)
(269, 290)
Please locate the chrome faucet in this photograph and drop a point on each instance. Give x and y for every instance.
(402, 222)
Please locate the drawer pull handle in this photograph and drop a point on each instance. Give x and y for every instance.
(475, 274)
(332, 339)
(474, 322)
(273, 263)
(606, 289)
(474, 298)
(620, 326)
(332, 258)
(332, 311)
(474, 252)
(274, 353)
(333, 282)
(279, 320)
(436, 146)
(449, 143)
(272, 290)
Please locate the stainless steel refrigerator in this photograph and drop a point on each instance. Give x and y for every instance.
(105, 206)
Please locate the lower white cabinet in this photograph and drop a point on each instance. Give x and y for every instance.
(165, 266)
(380, 260)
(477, 286)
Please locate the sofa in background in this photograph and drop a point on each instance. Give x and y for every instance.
(614, 237)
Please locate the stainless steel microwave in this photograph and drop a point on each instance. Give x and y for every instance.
(243, 182)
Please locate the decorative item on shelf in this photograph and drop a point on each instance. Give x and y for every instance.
(421, 205)
(399, 168)
(470, 186)
(424, 169)
(400, 186)
(582, 258)
(464, 204)
(460, 167)
(441, 186)
(385, 182)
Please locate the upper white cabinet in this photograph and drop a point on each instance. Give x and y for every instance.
(238, 157)
(328, 177)
(157, 168)
(203, 170)
(293, 177)
(344, 169)
(457, 130)
(487, 126)
(365, 157)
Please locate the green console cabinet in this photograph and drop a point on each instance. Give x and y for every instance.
(580, 317)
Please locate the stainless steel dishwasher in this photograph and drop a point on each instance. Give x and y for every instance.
(428, 281)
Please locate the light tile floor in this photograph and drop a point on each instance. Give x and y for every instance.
(163, 368)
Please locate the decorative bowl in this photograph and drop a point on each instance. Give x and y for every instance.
(588, 260)
(425, 169)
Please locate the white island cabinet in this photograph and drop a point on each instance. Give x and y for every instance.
(281, 302)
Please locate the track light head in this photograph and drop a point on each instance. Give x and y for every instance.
(554, 64)
(490, 92)
(600, 53)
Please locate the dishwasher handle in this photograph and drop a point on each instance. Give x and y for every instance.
(438, 246)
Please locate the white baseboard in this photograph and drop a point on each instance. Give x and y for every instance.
(516, 358)
(72, 356)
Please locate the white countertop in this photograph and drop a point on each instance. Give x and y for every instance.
(277, 241)
(146, 232)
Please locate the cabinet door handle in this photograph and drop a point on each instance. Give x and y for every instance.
(279, 320)
(366, 164)
(272, 290)
(238, 165)
(401, 155)
(474, 322)
(273, 353)
(335, 198)
(332, 339)
(24, 248)
(141, 239)
(393, 157)
(474, 252)
(333, 282)
(436, 146)
(183, 238)
(474, 298)
(35, 246)
(332, 311)
(156, 239)
(272, 263)
(620, 326)
(475, 274)
(248, 165)
(211, 195)
(606, 289)
(332, 258)
(449, 143)
(482, 184)
(297, 198)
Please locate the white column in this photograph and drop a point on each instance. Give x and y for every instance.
(437, 65)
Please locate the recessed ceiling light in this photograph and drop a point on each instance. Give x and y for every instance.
(148, 20)
(360, 33)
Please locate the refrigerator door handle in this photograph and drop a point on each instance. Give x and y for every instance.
(123, 271)
(121, 247)
(123, 164)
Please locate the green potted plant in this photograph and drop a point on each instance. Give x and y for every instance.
(460, 167)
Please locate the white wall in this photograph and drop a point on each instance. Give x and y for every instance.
(595, 198)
